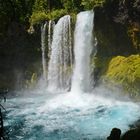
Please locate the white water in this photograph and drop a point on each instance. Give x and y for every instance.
(83, 45)
(70, 44)
(65, 116)
(50, 33)
(43, 48)
(60, 59)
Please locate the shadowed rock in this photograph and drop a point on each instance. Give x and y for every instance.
(115, 134)
(133, 134)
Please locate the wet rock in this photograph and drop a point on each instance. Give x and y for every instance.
(133, 134)
(115, 134)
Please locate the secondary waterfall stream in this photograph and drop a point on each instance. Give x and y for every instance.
(43, 48)
(48, 115)
(61, 56)
(50, 34)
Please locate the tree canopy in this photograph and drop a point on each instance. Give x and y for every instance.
(34, 11)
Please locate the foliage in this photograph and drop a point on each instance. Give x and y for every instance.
(53, 9)
(40, 6)
(56, 14)
(72, 5)
(39, 12)
(126, 72)
(89, 4)
(34, 11)
(38, 17)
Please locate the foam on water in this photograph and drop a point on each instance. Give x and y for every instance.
(67, 117)
(73, 115)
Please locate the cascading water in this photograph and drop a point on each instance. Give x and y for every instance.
(83, 47)
(43, 48)
(46, 116)
(50, 34)
(70, 44)
(60, 59)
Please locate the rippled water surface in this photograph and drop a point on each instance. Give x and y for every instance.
(66, 116)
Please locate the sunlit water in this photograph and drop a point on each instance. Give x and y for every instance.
(66, 116)
(74, 115)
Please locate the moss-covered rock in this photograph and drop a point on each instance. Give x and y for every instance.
(125, 71)
(117, 28)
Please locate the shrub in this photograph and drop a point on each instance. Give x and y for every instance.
(90, 4)
(38, 17)
(126, 72)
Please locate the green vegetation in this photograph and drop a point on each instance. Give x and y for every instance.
(35, 11)
(126, 72)
(120, 71)
(117, 28)
(37, 17)
(89, 4)
(53, 10)
(56, 14)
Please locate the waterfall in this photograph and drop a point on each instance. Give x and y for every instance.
(83, 47)
(43, 48)
(70, 44)
(50, 34)
(61, 56)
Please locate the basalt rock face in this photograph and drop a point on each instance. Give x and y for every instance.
(133, 134)
(19, 56)
(117, 28)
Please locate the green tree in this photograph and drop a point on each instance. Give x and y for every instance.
(40, 6)
(90, 4)
(72, 5)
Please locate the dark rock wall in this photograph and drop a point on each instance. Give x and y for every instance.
(20, 56)
(117, 27)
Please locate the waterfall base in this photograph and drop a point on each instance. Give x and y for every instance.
(67, 116)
